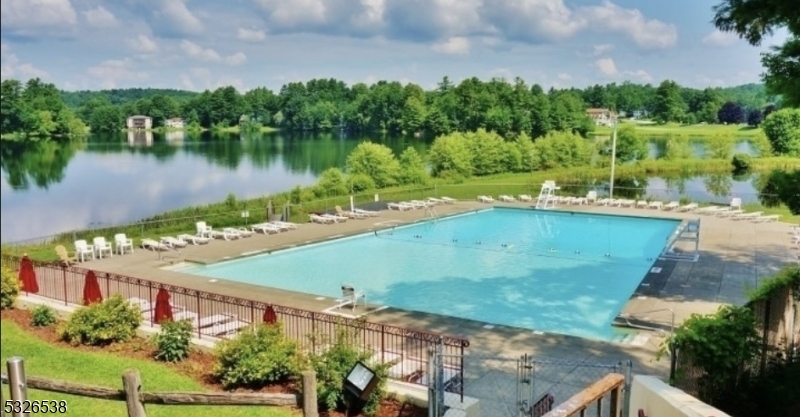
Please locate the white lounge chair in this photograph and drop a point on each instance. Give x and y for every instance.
(736, 203)
(174, 242)
(266, 228)
(228, 233)
(709, 210)
(689, 207)
(506, 198)
(196, 240)
(143, 305)
(213, 320)
(348, 213)
(578, 201)
(101, 246)
(241, 231)
(224, 329)
(421, 203)
(284, 225)
(154, 245)
(768, 218)
(82, 248)
(350, 297)
(591, 197)
(656, 205)
(400, 206)
(184, 314)
(437, 201)
(203, 230)
(525, 197)
(729, 213)
(448, 200)
(337, 219)
(123, 243)
(748, 216)
(672, 205)
(315, 218)
(641, 204)
(485, 199)
(626, 203)
(368, 213)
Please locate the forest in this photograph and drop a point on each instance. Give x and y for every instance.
(37, 109)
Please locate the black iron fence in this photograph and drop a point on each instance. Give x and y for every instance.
(217, 316)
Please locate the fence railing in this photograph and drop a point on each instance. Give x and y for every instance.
(404, 350)
(610, 387)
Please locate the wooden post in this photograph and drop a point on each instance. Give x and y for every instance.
(132, 384)
(310, 394)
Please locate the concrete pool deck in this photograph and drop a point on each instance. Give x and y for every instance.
(734, 257)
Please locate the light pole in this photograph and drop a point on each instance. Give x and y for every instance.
(613, 160)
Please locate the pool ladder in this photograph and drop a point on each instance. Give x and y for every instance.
(431, 212)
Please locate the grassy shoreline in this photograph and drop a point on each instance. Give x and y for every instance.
(688, 130)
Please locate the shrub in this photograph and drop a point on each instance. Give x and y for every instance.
(360, 183)
(114, 320)
(255, 359)
(741, 162)
(172, 342)
(43, 316)
(332, 367)
(9, 287)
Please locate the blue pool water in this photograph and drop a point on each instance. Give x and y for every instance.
(541, 270)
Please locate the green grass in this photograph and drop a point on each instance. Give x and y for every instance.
(45, 360)
(235, 129)
(688, 130)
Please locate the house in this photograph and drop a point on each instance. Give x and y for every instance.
(602, 117)
(139, 122)
(175, 123)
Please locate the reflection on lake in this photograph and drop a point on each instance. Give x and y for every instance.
(114, 179)
(658, 147)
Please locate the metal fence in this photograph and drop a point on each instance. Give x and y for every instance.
(404, 350)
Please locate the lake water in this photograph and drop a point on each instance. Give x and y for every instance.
(115, 179)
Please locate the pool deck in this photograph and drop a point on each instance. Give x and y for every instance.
(734, 257)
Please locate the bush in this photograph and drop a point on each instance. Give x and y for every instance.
(43, 316)
(255, 359)
(114, 320)
(360, 182)
(9, 287)
(332, 367)
(173, 341)
(741, 162)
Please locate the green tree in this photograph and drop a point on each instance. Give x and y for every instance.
(678, 147)
(412, 168)
(786, 186)
(631, 146)
(376, 161)
(669, 105)
(561, 150)
(488, 152)
(330, 184)
(413, 115)
(450, 155)
(106, 118)
(720, 145)
(783, 131)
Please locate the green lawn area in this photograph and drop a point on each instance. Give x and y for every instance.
(689, 130)
(105, 369)
(235, 129)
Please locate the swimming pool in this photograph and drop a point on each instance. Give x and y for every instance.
(547, 271)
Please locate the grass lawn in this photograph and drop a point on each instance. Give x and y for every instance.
(689, 130)
(235, 129)
(45, 360)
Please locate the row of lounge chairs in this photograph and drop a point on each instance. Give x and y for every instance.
(421, 204)
(216, 325)
(99, 247)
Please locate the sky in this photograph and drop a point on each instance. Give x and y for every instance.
(204, 44)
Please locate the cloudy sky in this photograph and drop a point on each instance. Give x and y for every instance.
(199, 44)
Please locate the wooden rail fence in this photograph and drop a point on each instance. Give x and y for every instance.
(135, 399)
(593, 394)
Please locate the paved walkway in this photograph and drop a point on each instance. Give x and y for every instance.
(734, 257)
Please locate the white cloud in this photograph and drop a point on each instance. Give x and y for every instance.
(100, 18)
(602, 48)
(456, 45)
(178, 13)
(606, 66)
(11, 67)
(200, 78)
(251, 35)
(198, 52)
(143, 44)
(112, 71)
(647, 33)
(563, 76)
(28, 17)
(639, 75)
(720, 39)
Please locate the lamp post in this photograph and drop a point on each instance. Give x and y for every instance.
(613, 160)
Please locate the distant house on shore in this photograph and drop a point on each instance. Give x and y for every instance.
(602, 117)
(139, 122)
(175, 123)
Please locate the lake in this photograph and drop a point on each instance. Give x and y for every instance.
(120, 178)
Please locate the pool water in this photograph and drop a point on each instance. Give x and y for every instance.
(554, 272)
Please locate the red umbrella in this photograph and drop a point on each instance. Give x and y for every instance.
(91, 289)
(163, 309)
(269, 315)
(27, 276)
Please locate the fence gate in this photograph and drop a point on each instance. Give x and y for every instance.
(525, 386)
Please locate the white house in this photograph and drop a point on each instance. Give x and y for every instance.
(602, 117)
(175, 122)
(139, 122)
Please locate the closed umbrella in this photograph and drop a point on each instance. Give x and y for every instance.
(91, 289)
(269, 315)
(27, 276)
(163, 309)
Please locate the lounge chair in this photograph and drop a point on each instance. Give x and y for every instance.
(123, 243)
(350, 297)
(284, 225)
(437, 201)
(316, 218)
(101, 246)
(266, 228)
(626, 203)
(485, 199)
(591, 197)
(203, 230)
(672, 205)
(506, 198)
(748, 216)
(63, 256)
(709, 210)
(729, 213)
(768, 218)
(421, 203)
(736, 203)
(240, 232)
(213, 320)
(448, 200)
(144, 305)
(174, 242)
(154, 245)
(603, 201)
(350, 214)
(184, 314)
(656, 205)
(337, 219)
(368, 213)
(400, 206)
(525, 197)
(82, 248)
(689, 207)
(224, 329)
(228, 233)
(196, 240)
(578, 201)
(642, 204)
